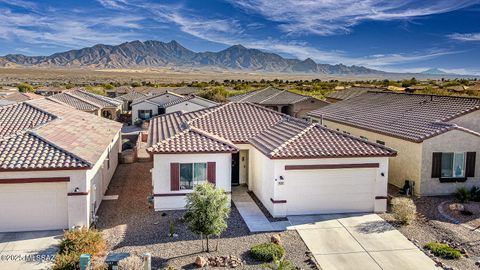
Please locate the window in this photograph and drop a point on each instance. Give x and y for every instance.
(192, 174)
(381, 142)
(144, 114)
(453, 165)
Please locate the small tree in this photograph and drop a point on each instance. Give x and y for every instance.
(207, 211)
(25, 87)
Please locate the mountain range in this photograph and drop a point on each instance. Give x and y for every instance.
(153, 53)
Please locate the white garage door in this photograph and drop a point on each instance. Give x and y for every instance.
(33, 207)
(330, 191)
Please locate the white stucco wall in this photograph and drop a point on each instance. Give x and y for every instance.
(79, 206)
(161, 176)
(470, 121)
(263, 178)
(451, 141)
(143, 106)
(186, 106)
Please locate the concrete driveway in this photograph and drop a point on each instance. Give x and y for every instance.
(28, 250)
(358, 242)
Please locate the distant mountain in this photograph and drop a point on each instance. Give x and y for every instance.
(434, 71)
(172, 54)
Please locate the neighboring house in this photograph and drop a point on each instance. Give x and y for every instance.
(149, 90)
(49, 90)
(85, 101)
(436, 137)
(128, 99)
(55, 165)
(293, 167)
(283, 101)
(348, 93)
(149, 106)
(12, 97)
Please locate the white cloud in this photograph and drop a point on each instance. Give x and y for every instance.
(115, 4)
(465, 36)
(328, 17)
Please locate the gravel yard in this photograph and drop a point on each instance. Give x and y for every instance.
(129, 225)
(430, 226)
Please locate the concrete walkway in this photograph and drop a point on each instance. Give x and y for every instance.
(251, 213)
(358, 242)
(28, 250)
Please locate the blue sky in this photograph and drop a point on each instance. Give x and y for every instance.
(392, 35)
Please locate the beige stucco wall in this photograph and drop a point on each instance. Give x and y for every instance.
(464, 142)
(405, 166)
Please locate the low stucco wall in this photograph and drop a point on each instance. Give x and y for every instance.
(463, 142)
(407, 165)
(164, 197)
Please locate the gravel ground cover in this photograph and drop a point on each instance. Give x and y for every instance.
(130, 225)
(472, 220)
(430, 226)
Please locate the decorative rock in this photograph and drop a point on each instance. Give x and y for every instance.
(276, 239)
(200, 262)
(477, 263)
(456, 207)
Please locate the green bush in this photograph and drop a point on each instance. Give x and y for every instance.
(475, 194)
(25, 87)
(443, 250)
(463, 194)
(76, 242)
(266, 252)
(280, 264)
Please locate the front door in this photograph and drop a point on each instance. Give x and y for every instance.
(235, 169)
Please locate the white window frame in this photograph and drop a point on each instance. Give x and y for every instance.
(194, 181)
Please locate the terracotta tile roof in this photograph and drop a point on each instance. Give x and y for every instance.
(42, 134)
(350, 92)
(270, 96)
(274, 134)
(19, 96)
(73, 101)
(193, 140)
(27, 151)
(95, 99)
(314, 141)
(18, 118)
(131, 96)
(411, 117)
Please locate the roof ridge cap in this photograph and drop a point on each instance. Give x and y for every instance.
(281, 91)
(31, 132)
(80, 98)
(253, 93)
(103, 98)
(28, 102)
(212, 136)
(294, 138)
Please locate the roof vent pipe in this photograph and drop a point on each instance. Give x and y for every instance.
(321, 119)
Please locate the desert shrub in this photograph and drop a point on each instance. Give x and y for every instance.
(462, 194)
(280, 264)
(266, 252)
(130, 263)
(443, 250)
(76, 242)
(404, 210)
(475, 194)
(25, 87)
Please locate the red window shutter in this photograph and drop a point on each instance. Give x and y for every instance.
(212, 172)
(174, 176)
(436, 165)
(470, 164)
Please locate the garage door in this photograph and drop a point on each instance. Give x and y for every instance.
(330, 191)
(32, 207)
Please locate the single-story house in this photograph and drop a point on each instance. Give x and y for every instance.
(437, 137)
(348, 93)
(49, 90)
(85, 101)
(149, 106)
(128, 99)
(281, 100)
(277, 156)
(12, 97)
(55, 165)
